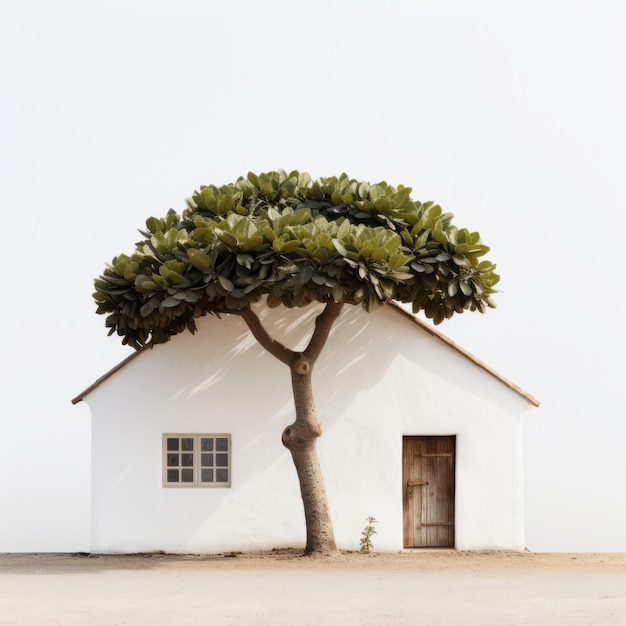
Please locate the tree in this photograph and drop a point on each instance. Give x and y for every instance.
(293, 241)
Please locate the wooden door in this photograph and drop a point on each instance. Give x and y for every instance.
(428, 491)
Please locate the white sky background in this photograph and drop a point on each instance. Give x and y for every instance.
(509, 114)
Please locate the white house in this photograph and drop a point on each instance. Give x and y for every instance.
(187, 454)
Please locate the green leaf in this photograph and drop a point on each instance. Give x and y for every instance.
(321, 254)
(172, 277)
(373, 302)
(422, 238)
(382, 204)
(225, 282)
(245, 259)
(252, 286)
(225, 204)
(286, 246)
(340, 248)
(304, 179)
(199, 259)
(440, 237)
(208, 197)
(146, 310)
(305, 274)
(228, 238)
(338, 293)
(344, 229)
(376, 192)
(402, 198)
(379, 255)
(268, 191)
(154, 225)
(466, 288)
(257, 242)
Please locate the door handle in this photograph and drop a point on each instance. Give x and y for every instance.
(416, 483)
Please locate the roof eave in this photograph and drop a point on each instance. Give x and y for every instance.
(104, 377)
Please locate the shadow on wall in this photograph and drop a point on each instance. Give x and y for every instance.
(357, 355)
(227, 368)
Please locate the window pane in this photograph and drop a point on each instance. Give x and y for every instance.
(172, 444)
(207, 475)
(187, 460)
(187, 443)
(207, 460)
(206, 444)
(172, 476)
(186, 475)
(221, 444)
(172, 460)
(221, 460)
(221, 475)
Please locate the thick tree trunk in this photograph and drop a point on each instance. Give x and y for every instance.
(300, 438)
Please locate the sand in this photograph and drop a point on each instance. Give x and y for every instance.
(281, 587)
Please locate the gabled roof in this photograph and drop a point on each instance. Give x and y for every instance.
(420, 323)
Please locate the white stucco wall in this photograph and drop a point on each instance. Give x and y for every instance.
(379, 378)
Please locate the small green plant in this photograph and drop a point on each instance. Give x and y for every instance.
(366, 535)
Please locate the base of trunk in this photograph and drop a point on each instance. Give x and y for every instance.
(335, 555)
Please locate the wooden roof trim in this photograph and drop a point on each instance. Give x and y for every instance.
(468, 355)
(423, 325)
(104, 377)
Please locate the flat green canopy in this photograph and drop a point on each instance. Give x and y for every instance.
(294, 241)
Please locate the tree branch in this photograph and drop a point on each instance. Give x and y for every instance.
(323, 324)
(275, 348)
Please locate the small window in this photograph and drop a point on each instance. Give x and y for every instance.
(196, 460)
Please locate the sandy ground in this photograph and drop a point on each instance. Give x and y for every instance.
(280, 587)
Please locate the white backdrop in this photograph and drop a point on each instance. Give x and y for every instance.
(509, 114)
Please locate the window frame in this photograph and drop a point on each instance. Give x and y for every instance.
(197, 466)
